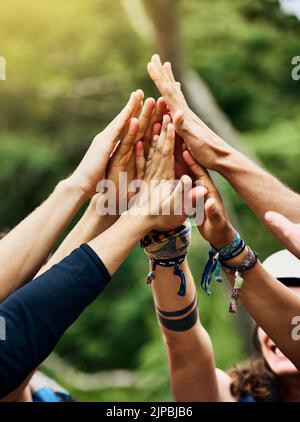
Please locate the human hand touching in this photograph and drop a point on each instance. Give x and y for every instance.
(123, 159)
(205, 145)
(93, 165)
(286, 231)
(216, 227)
(159, 201)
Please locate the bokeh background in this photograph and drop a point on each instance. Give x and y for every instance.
(70, 68)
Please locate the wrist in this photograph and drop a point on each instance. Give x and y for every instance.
(238, 259)
(82, 185)
(228, 160)
(140, 225)
(69, 187)
(98, 221)
(224, 237)
(95, 213)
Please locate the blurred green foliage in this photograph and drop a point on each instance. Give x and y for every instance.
(70, 68)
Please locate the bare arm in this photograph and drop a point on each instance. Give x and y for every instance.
(270, 303)
(259, 189)
(190, 353)
(88, 227)
(192, 368)
(24, 250)
(123, 160)
(273, 306)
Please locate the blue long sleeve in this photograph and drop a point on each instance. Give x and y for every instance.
(38, 314)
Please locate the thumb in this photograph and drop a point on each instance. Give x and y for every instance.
(176, 199)
(279, 222)
(213, 212)
(178, 121)
(195, 167)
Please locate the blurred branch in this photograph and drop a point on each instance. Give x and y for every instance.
(88, 87)
(96, 97)
(84, 381)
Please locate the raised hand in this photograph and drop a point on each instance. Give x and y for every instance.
(141, 127)
(93, 165)
(287, 231)
(152, 126)
(181, 167)
(216, 227)
(158, 200)
(205, 145)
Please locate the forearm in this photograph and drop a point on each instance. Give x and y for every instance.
(190, 354)
(115, 244)
(260, 190)
(88, 227)
(273, 306)
(24, 250)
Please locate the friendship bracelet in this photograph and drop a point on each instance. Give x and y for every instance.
(216, 259)
(182, 324)
(175, 262)
(249, 262)
(168, 249)
(232, 249)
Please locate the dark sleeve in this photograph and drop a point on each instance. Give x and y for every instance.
(38, 314)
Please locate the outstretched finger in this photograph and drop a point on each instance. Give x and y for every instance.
(167, 87)
(156, 129)
(176, 200)
(200, 173)
(145, 118)
(116, 127)
(139, 160)
(163, 133)
(279, 222)
(150, 157)
(157, 116)
(127, 143)
(168, 68)
(169, 144)
(214, 213)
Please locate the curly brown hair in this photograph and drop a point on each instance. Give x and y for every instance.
(253, 377)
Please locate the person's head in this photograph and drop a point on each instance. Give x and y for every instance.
(286, 268)
(269, 365)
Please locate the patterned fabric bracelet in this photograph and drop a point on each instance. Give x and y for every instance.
(231, 246)
(168, 249)
(232, 249)
(249, 262)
